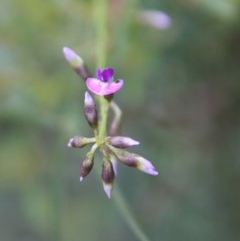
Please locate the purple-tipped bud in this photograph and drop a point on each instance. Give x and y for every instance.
(80, 141)
(90, 111)
(145, 165)
(124, 156)
(134, 160)
(74, 59)
(86, 166)
(107, 177)
(122, 141)
(76, 62)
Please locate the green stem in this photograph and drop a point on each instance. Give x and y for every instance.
(104, 107)
(101, 17)
(128, 216)
(117, 119)
(100, 14)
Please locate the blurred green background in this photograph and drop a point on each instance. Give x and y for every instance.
(181, 100)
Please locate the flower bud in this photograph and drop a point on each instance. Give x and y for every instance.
(122, 141)
(107, 177)
(134, 160)
(86, 166)
(76, 62)
(80, 141)
(145, 165)
(90, 111)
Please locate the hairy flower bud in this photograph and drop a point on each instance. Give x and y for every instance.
(80, 141)
(86, 166)
(107, 177)
(134, 160)
(90, 111)
(76, 62)
(122, 141)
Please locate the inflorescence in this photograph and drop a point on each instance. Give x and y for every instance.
(112, 145)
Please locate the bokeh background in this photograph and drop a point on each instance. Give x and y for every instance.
(181, 100)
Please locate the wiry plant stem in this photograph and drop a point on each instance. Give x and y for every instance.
(128, 215)
(100, 14)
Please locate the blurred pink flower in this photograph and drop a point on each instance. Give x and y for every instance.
(155, 18)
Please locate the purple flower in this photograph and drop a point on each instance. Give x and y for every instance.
(105, 75)
(104, 83)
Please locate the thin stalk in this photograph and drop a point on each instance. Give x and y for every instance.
(100, 14)
(128, 215)
(104, 107)
(117, 119)
(101, 17)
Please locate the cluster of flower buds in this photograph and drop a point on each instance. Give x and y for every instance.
(111, 147)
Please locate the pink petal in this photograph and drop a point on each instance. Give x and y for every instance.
(103, 88)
